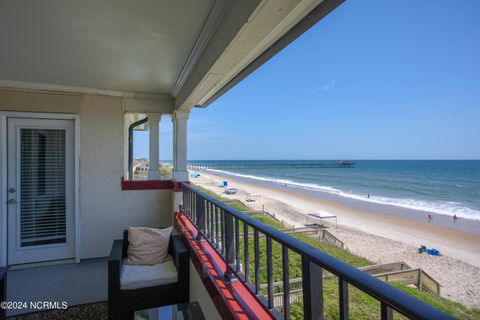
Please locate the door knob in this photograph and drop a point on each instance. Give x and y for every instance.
(12, 190)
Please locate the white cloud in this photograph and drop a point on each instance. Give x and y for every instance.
(329, 86)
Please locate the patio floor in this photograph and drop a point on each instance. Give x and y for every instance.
(98, 311)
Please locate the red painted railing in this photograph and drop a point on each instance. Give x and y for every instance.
(150, 185)
(232, 300)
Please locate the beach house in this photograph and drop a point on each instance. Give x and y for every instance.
(74, 77)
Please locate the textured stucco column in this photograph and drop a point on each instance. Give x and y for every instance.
(153, 159)
(180, 120)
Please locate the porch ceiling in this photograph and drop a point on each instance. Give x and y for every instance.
(119, 45)
(182, 53)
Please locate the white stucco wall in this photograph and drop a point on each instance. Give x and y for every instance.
(199, 293)
(105, 210)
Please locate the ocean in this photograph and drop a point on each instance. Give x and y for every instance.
(444, 187)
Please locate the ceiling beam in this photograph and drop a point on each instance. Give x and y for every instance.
(161, 104)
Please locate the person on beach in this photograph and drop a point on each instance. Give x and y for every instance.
(455, 217)
(430, 217)
(368, 195)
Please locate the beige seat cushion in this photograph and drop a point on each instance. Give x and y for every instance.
(134, 276)
(147, 246)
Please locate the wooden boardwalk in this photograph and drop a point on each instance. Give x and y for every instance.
(270, 165)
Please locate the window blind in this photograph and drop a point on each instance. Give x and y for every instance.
(42, 184)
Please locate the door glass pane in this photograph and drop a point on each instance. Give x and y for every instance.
(42, 183)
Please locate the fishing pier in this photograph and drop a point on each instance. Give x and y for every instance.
(270, 165)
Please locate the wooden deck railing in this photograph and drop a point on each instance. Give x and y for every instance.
(318, 233)
(398, 272)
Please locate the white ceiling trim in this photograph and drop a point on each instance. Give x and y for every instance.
(211, 24)
(73, 89)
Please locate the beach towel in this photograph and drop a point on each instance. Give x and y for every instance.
(433, 252)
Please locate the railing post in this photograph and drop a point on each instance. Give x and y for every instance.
(269, 273)
(200, 216)
(386, 312)
(246, 269)
(312, 282)
(420, 280)
(343, 299)
(256, 252)
(286, 283)
(237, 245)
(229, 246)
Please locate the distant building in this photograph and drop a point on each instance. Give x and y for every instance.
(140, 165)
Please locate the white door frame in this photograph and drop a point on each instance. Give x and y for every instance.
(3, 175)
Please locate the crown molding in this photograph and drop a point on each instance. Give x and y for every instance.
(216, 14)
(8, 84)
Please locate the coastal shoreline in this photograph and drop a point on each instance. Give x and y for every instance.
(462, 224)
(379, 237)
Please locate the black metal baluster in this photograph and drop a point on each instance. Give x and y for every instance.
(229, 246)
(195, 208)
(200, 217)
(312, 286)
(212, 230)
(386, 312)
(222, 232)
(216, 227)
(184, 201)
(269, 272)
(237, 245)
(194, 199)
(343, 298)
(207, 223)
(256, 249)
(189, 200)
(245, 252)
(191, 203)
(286, 283)
(192, 213)
(210, 223)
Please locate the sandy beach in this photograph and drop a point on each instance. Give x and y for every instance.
(379, 237)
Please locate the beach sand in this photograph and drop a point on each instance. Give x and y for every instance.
(381, 238)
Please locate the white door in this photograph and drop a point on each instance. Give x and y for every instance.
(41, 186)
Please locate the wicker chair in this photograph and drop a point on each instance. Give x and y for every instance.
(3, 289)
(123, 303)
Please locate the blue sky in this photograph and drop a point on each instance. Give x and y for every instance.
(373, 80)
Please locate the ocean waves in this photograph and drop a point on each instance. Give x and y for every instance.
(440, 207)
